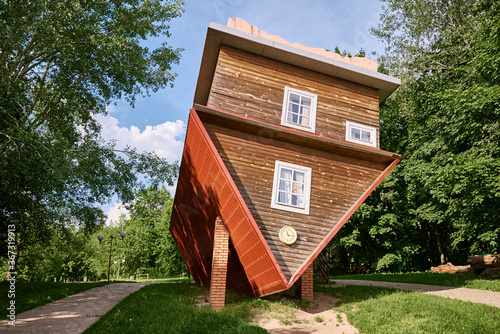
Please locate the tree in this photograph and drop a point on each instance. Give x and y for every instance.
(149, 246)
(62, 63)
(444, 120)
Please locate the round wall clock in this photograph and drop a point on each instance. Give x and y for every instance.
(288, 235)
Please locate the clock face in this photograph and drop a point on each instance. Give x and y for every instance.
(288, 235)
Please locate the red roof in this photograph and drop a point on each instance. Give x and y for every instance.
(206, 190)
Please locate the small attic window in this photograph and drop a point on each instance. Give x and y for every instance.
(361, 134)
(291, 188)
(299, 110)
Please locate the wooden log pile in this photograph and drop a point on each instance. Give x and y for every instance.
(450, 268)
(485, 265)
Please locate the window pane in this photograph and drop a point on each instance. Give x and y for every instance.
(299, 189)
(294, 98)
(297, 200)
(284, 198)
(292, 118)
(286, 174)
(304, 120)
(298, 176)
(284, 185)
(306, 101)
(355, 133)
(366, 135)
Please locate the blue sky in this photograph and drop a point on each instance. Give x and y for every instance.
(158, 123)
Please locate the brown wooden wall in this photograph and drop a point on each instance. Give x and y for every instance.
(253, 86)
(337, 182)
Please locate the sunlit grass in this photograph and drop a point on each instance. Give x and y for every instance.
(171, 308)
(374, 310)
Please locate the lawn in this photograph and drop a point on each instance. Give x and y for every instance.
(171, 308)
(443, 279)
(31, 295)
(376, 310)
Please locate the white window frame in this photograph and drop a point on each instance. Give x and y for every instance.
(307, 188)
(312, 115)
(372, 130)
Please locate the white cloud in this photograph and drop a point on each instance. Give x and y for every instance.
(115, 212)
(165, 139)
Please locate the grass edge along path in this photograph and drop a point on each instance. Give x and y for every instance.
(430, 278)
(375, 310)
(171, 308)
(31, 295)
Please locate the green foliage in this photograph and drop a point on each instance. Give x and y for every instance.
(61, 63)
(442, 202)
(69, 254)
(170, 308)
(31, 295)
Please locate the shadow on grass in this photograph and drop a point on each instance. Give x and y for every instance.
(171, 308)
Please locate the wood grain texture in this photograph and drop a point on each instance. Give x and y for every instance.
(253, 86)
(337, 182)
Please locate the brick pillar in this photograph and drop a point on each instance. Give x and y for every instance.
(305, 290)
(217, 297)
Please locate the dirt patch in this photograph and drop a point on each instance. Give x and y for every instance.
(319, 317)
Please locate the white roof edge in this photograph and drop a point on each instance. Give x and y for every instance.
(218, 34)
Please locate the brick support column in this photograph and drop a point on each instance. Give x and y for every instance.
(217, 297)
(305, 290)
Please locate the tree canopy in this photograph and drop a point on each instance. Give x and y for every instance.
(62, 63)
(442, 202)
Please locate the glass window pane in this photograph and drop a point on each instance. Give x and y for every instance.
(366, 135)
(355, 133)
(284, 185)
(303, 120)
(306, 101)
(294, 98)
(286, 174)
(284, 198)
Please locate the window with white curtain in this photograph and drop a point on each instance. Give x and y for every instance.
(361, 134)
(291, 187)
(299, 109)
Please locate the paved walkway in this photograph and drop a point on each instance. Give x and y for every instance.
(472, 295)
(73, 314)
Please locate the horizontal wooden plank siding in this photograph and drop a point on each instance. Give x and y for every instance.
(337, 182)
(205, 191)
(253, 86)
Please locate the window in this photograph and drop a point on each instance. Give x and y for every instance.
(291, 187)
(299, 110)
(361, 134)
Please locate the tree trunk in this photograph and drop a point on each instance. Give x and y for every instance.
(442, 256)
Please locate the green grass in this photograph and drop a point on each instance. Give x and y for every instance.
(165, 280)
(171, 308)
(374, 310)
(443, 279)
(31, 295)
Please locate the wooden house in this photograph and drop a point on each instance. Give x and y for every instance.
(283, 146)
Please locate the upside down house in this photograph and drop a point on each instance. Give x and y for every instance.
(282, 146)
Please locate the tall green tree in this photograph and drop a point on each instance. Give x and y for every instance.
(445, 121)
(62, 63)
(149, 246)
